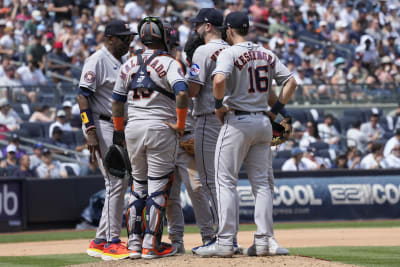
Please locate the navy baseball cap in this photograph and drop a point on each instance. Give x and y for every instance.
(118, 27)
(209, 15)
(237, 20)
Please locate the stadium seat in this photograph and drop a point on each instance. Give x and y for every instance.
(73, 169)
(32, 130)
(68, 138)
(346, 123)
(357, 114)
(277, 163)
(298, 115)
(79, 137)
(284, 154)
(319, 145)
(324, 153)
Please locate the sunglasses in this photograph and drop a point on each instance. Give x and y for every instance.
(125, 38)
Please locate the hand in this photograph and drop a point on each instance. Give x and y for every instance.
(119, 138)
(220, 113)
(271, 115)
(93, 144)
(175, 128)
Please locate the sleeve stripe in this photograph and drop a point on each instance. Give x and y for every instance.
(118, 97)
(195, 81)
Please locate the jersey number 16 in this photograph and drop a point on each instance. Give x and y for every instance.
(260, 75)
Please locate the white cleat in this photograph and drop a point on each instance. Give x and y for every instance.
(275, 249)
(214, 250)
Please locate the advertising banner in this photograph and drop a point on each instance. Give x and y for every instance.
(10, 204)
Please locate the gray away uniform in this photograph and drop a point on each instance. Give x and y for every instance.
(98, 75)
(207, 125)
(246, 136)
(152, 145)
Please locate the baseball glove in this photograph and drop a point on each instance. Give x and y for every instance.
(188, 146)
(116, 161)
(194, 40)
(281, 131)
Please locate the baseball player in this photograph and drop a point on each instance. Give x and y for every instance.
(241, 86)
(94, 98)
(185, 172)
(153, 83)
(207, 125)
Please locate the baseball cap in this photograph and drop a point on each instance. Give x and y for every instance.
(338, 61)
(117, 27)
(296, 151)
(36, 15)
(46, 151)
(67, 104)
(58, 45)
(14, 137)
(4, 102)
(61, 113)
(38, 145)
(11, 148)
(237, 20)
(209, 15)
(397, 62)
(322, 23)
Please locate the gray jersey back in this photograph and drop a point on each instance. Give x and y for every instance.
(165, 71)
(204, 62)
(99, 74)
(249, 69)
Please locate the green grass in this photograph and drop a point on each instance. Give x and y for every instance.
(362, 256)
(49, 260)
(69, 235)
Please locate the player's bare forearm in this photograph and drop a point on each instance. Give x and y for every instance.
(182, 100)
(193, 89)
(82, 102)
(117, 108)
(272, 98)
(287, 91)
(219, 86)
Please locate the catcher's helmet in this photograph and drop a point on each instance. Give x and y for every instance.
(117, 162)
(154, 30)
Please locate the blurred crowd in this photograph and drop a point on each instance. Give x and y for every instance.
(339, 51)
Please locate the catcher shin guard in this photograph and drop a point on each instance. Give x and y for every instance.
(155, 210)
(135, 215)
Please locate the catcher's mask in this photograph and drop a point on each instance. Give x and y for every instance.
(154, 30)
(116, 161)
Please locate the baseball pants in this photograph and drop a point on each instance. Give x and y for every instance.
(244, 139)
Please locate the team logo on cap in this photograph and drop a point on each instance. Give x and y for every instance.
(194, 70)
(89, 77)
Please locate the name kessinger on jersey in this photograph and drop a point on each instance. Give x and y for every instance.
(248, 56)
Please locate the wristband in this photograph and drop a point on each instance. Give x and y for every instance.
(218, 103)
(118, 123)
(284, 112)
(277, 107)
(87, 118)
(181, 117)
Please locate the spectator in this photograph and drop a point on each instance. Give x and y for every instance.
(36, 158)
(372, 129)
(297, 162)
(328, 132)
(374, 159)
(7, 45)
(31, 24)
(57, 56)
(50, 168)
(340, 162)
(391, 143)
(11, 82)
(184, 29)
(368, 51)
(319, 82)
(298, 133)
(338, 79)
(322, 163)
(341, 35)
(354, 89)
(292, 55)
(61, 122)
(310, 135)
(24, 169)
(56, 140)
(31, 75)
(43, 113)
(358, 71)
(67, 107)
(14, 140)
(259, 12)
(353, 158)
(10, 164)
(36, 51)
(5, 61)
(356, 138)
(393, 159)
(62, 10)
(8, 117)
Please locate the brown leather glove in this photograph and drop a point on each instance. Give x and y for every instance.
(188, 146)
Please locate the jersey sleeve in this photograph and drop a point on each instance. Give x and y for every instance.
(120, 91)
(281, 72)
(175, 73)
(198, 70)
(225, 64)
(91, 74)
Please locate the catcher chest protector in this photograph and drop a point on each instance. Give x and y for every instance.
(141, 80)
(116, 161)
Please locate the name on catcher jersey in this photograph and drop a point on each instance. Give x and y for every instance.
(99, 74)
(145, 103)
(249, 69)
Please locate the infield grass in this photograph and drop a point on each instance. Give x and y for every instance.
(361, 256)
(88, 234)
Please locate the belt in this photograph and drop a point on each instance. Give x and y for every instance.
(241, 112)
(104, 117)
(187, 132)
(204, 114)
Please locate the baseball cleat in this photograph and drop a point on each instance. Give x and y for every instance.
(237, 250)
(214, 250)
(165, 250)
(206, 242)
(135, 254)
(115, 251)
(180, 248)
(275, 249)
(95, 249)
(255, 250)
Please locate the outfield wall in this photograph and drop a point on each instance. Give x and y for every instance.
(302, 196)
